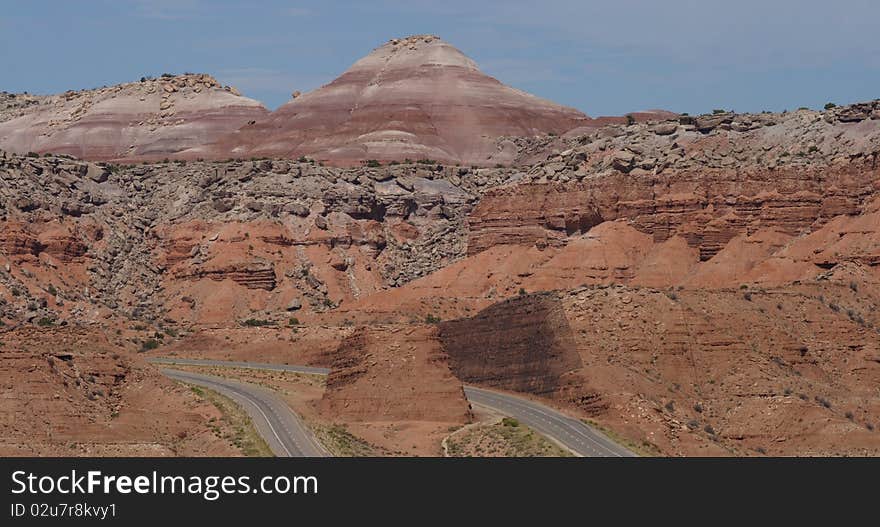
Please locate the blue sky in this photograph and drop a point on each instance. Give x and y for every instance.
(602, 57)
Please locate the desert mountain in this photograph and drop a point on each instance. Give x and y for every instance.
(418, 98)
(700, 285)
(147, 120)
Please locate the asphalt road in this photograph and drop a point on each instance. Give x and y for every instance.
(237, 364)
(286, 435)
(575, 435)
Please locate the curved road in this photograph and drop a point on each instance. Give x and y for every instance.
(575, 435)
(286, 435)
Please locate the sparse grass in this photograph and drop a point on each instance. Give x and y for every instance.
(643, 448)
(342, 443)
(505, 438)
(238, 427)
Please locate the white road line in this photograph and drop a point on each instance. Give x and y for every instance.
(554, 424)
(247, 398)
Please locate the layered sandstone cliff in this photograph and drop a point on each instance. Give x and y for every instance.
(394, 374)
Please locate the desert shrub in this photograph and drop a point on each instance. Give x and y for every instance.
(830, 105)
(510, 421)
(256, 322)
(45, 321)
(293, 321)
(431, 319)
(149, 344)
(372, 163)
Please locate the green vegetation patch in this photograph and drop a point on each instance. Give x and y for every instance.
(236, 426)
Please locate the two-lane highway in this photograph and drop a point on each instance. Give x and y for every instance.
(282, 429)
(576, 435)
(291, 438)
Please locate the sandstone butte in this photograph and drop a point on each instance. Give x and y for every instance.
(698, 285)
(416, 97)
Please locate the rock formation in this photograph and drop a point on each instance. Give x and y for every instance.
(417, 98)
(698, 284)
(394, 374)
(149, 120)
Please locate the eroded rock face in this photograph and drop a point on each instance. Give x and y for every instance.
(83, 396)
(150, 240)
(722, 372)
(153, 119)
(417, 98)
(394, 373)
(522, 344)
(707, 208)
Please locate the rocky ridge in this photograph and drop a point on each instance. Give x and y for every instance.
(122, 237)
(152, 119)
